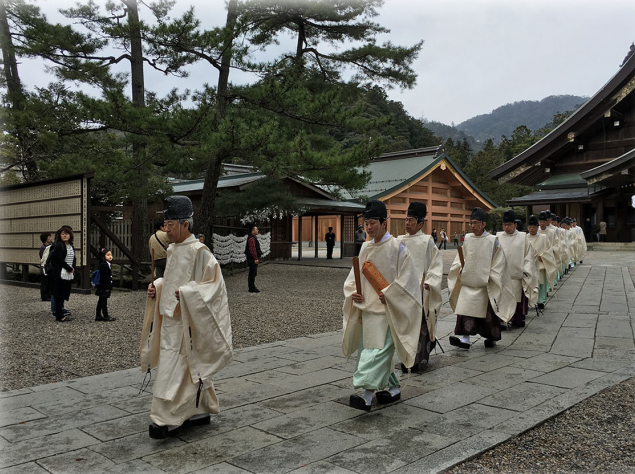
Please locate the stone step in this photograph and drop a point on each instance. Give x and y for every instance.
(612, 246)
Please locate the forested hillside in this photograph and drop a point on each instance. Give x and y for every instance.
(532, 113)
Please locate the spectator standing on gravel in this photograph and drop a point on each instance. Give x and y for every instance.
(62, 270)
(330, 243)
(360, 238)
(444, 240)
(369, 316)
(45, 280)
(159, 242)
(253, 254)
(104, 287)
(186, 331)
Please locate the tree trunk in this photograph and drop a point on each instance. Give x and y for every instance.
(15, 94)
(14, 86)
(215, 167)
(139, 203)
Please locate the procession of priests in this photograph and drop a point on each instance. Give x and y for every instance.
(392, 299)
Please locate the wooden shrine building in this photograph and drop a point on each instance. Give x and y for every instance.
(585, 168)
(427, 175)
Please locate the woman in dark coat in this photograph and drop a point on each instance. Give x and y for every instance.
(104, 287)
(62, 257)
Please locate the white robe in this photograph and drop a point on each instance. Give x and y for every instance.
(402, 311)
(429, 264)
(548, 271)
(521, 265)
(483, 279)
(189, 341)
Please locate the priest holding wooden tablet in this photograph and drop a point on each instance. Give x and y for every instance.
(382, 311)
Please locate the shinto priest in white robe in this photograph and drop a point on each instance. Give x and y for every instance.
(429, 264)
(520, 265)
(401, 313)
(483, 280)
(190, 341)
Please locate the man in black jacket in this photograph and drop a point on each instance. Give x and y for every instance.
(253, 254)
(330, 243)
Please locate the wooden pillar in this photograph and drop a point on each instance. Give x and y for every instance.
(316, 236)
(342, 235)
(300, 237)
(25, 272)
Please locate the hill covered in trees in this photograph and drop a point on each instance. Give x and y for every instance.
(532, 113)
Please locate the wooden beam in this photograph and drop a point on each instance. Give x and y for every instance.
(115, 240)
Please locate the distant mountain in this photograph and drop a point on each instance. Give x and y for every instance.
(444, 131)
(532, 113)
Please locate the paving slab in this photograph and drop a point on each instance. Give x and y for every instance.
(297, 452)
(546, 362)
(572, 346)
(320, 467)
(523, 396)
(455, 454)
(387, 454)
(44, 446)
(135, 447)
(66, 422)
(383, 423)
(76, 462)
(451, 397)
(307, 419)
(26, 468)
(568, 377)
(210, 451)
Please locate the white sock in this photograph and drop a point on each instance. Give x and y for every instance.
(368, 396)
(173, 427)
(465, 339)
(394, 391)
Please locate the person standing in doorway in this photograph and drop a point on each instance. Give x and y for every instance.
(602, 231)
(330, 243)
(253, 254)
(360, 238)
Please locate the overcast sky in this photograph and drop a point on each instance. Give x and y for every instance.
(478, 54)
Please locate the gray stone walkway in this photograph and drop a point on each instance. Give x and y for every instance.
(284, 404)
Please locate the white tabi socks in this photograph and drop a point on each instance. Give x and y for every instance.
(465, 339)
(368, 396)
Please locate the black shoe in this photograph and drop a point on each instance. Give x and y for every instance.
(404, 369)
(541, 306)
(489, 343)
(107, 318)
(255, 290)
(203, 420)
(519, 325)
(159, 432)
(359, 403)
(456, 342)
(384, 397)
(66, 311)
(65, 319)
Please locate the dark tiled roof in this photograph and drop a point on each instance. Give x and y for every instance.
(550, 196)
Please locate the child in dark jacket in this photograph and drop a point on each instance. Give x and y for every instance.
(105, 286)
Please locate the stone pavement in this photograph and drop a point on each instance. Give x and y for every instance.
(284, 404)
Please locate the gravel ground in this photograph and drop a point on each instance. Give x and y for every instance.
(294, 301)
(595, 436)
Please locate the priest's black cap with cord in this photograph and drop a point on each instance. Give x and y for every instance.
(478, 214)
(177, 207)
(548, 214)
(533, 220)
(418, 210)
(375, 210)
(509, 216)
(542, 216)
